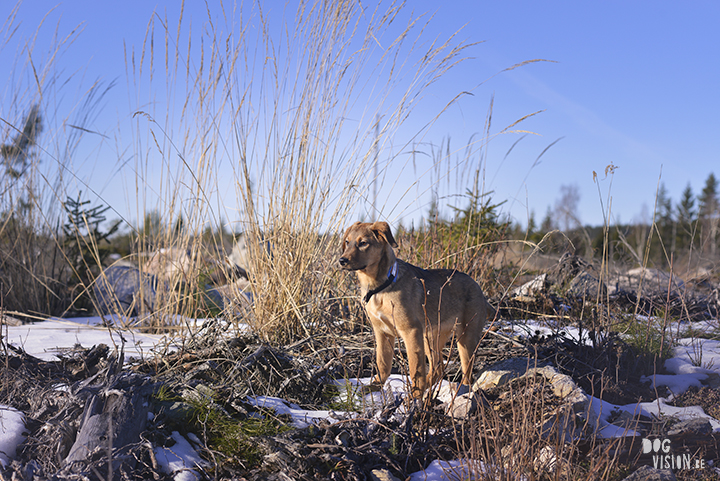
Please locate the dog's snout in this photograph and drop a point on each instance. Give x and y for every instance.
(343, 261)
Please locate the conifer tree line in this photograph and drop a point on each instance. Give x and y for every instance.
(693, 222)
(676, 231)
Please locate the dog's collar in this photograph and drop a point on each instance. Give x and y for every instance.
(392, 275)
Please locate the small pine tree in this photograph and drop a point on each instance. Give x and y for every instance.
(709, 215)
(686, 219)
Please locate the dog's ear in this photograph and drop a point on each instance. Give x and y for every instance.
(382, 229)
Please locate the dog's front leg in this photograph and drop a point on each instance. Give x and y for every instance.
(415, 345)
(384, 347)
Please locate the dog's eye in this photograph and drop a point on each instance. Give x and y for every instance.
(362, 243)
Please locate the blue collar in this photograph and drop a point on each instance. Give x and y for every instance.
(391, 277)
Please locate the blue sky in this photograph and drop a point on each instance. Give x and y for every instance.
(632, 84)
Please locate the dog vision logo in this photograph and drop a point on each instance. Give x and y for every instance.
(664, 458)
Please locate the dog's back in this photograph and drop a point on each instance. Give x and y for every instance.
(445, 298)
(451, 293)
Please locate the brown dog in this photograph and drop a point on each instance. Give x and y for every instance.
(423, 306)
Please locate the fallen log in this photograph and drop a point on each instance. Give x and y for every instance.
(115, 414)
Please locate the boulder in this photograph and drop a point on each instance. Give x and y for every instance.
(235, 295)
(170, 264)
(502, 373)
(240, 256)
(650, 279)
(586, 286)
(124, 290)
(531, 289)
(692, 427)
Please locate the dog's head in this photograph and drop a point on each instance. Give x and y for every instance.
(364, 244)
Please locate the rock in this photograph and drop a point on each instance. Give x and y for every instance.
(712, 380)
(124, 290)
(568, 268)
(586, 286)
(233, 296)
(563, 426)
(501, 373)
(200, 394)
(172, 264)
(650, 279)
(531, 288)
(177, 411)
(692, 427)
(343, 439)
(562, 385)
(240, 256)
(382, 475)
(648, 473)
(9, 320)
(546, 460)
(624, 419)
(463, 406)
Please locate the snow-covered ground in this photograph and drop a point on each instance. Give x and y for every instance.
(694, 360)
(46, 339)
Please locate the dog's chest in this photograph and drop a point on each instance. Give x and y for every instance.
(375, 308)
(388, 313)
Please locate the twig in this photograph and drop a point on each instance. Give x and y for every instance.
(505, 338)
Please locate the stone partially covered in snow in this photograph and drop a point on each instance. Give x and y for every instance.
(531, 289)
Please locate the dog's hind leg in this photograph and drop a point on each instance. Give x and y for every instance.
(434, 343)
(467, 344)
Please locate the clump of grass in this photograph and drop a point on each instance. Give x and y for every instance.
(226, 438)
(343, 396)
(36, 158)
(647, 336)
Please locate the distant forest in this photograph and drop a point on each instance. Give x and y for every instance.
(679, 231)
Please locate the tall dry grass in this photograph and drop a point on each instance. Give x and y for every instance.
(266, 122)
(284, 112)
